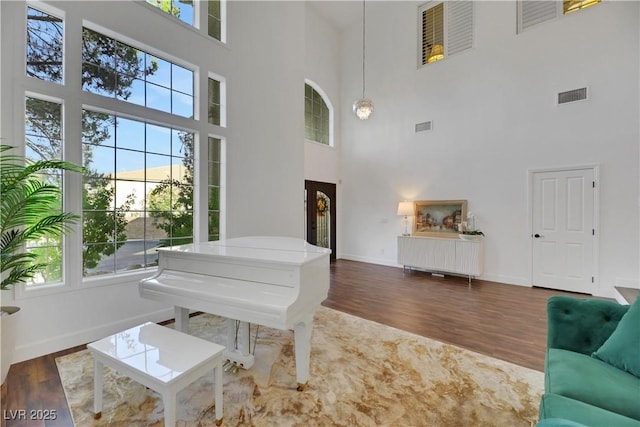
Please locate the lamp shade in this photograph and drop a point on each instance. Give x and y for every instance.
(405, 208)
(437, 53)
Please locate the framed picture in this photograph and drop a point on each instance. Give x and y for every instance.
(439, 218)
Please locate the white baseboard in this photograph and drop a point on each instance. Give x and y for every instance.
(627, 283)
(61, 342)
(378, 261)
(499, 278)
(509, 280)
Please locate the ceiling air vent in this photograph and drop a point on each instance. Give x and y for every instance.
(420, 127)
(572, 96)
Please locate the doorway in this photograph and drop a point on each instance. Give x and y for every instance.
(321, 214)
(563, 234)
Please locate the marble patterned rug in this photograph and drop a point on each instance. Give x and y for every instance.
(362, 374)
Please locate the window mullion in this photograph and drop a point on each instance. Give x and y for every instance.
(72, 191)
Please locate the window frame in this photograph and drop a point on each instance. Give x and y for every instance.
(421, 11)
(327, 101)
(448, 28)
(23, 290)
(74, 99)
(223, 98)
(154, 52)
(558, 14)
(200, 18)
(145, 182)
(221, 187)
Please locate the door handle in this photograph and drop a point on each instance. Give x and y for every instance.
(537, 236)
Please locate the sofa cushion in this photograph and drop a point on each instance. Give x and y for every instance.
(553, 406)
(622, 348)
(581, 325)
(587, 379)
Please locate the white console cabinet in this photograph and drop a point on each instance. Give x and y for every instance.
(441, 254)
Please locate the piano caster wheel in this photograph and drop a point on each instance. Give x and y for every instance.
(97, 416)
(219, 422)
(302, 386)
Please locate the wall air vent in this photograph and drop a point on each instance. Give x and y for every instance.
(572, 96)
(421, 127)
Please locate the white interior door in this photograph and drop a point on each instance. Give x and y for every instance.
(563, 231)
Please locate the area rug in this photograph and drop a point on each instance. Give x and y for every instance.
(362, 374)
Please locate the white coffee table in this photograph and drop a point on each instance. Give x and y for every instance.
(160, 358)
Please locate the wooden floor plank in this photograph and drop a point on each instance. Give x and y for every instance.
(503, 321)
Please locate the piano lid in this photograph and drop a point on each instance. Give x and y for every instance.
(286, 250)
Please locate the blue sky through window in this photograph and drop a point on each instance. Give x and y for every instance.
(182, 9)
(136, 76)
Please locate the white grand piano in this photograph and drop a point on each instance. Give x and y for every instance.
(272, 281)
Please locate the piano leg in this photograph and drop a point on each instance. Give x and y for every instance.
(182, 319)
(302, 334)
(243, 339)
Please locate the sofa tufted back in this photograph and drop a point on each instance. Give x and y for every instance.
(597, 319)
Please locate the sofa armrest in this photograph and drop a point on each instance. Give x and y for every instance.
(581, 324)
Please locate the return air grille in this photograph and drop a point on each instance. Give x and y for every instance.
(420, 127)
(572, 95)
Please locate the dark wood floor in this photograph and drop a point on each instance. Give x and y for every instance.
(504, 321)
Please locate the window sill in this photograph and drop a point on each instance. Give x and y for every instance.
(108, 280)
(86, 283)
(319, 143)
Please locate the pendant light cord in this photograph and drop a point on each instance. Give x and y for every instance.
(363, 43)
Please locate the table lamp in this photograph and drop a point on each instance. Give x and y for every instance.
(405, 209)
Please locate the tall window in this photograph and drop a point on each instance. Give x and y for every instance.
(213, 193)
(214, 19)
(446, 28)
(43, 139)
(317, 117)
(138, 192)
(214, 101)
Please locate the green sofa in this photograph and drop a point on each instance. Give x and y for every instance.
(592, 367)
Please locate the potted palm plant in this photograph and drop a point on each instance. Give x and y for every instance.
(29, 211)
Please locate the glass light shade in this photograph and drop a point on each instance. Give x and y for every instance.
(363, 108)
(437, 53)
(405, 208)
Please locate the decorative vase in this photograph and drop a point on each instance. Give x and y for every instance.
(8, 326)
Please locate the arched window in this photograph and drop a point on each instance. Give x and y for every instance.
(318, 115)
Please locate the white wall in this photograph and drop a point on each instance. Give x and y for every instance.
(265, 155)
(494, 119)
(322, 66)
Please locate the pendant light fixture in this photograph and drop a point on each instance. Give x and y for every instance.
(363, 107)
